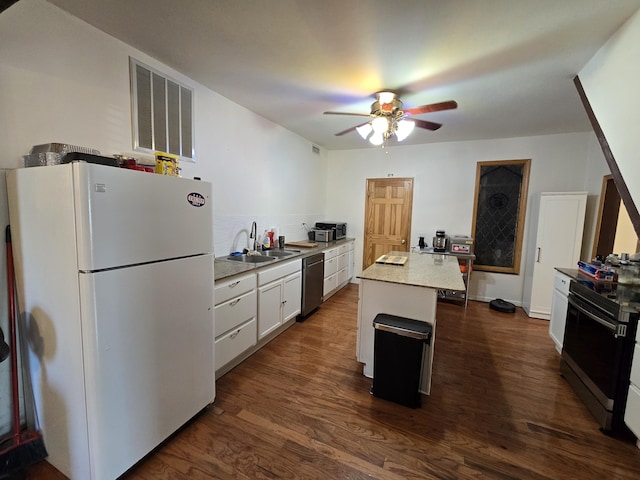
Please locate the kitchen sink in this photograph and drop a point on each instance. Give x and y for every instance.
(279, 253)
(250, 258)
(265, 256)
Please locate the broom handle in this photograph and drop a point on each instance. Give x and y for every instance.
(13, 338)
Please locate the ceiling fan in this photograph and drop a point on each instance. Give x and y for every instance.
(387, 118)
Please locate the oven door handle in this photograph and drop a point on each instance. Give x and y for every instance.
(609, 325)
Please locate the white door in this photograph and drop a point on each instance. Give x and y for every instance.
(292, 296)
(559, 305)
(558, 244)
(148, 356)
(127, 217)
(269, 308)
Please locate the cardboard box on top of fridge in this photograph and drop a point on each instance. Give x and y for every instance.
(167, 164)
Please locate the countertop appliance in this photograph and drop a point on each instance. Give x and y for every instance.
(320, 235)
(312, 283)
(460, 244)
(440, 241)
(597, 351)
(115, 274)
(339, 228)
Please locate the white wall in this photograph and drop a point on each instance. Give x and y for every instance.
(626, 240)
(610, 81)
(444, 187)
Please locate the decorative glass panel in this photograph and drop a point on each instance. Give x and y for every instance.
(498, 224)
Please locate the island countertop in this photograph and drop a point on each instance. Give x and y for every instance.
(430, 270)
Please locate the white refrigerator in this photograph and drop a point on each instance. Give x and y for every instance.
(115, 282)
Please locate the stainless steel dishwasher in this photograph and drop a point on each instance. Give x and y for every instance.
(312, 284)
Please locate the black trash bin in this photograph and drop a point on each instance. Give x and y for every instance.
(400, 345)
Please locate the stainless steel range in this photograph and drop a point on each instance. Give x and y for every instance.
(599, 337)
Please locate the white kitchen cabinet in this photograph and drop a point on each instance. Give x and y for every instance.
(269, 308)
(235, 318)
(279, 295)
(338, 268)
(291, 296)
(343, 260)
(329, 285)
(330, 272)
(559, 304)
(351, 265)
(558, 227)
(632, 412)
(330, 261)
(234, 343)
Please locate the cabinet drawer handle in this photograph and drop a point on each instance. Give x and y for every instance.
(234, 334)
(234, 284)
(235, 302)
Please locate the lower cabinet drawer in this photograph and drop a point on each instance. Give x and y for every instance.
(343, 260)
(330, 284)
(330, 266)
(632, 413)
(235, 312)
(227, 289)
(234, 343)
(343, 276)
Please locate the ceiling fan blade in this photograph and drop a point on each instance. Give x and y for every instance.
(347, 113)
(434, 107)
(349, 129)
(426, 124)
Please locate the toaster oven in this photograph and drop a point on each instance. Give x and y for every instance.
(320, 235)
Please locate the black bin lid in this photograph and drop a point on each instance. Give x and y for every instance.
(407, 327)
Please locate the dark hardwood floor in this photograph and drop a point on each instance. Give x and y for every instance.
(301, 409)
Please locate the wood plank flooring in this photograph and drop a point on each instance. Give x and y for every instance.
(301, 409)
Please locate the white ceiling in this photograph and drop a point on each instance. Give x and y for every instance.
(509, 64)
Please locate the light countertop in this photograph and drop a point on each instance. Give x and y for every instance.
(224, 269)
(430, 270)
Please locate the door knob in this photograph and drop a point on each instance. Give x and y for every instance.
(404, 241)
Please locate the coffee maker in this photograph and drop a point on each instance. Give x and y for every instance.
(440, 241)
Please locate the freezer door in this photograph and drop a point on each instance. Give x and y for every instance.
(127, 217)
(148, 355)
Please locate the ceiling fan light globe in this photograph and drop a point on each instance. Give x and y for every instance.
(380, 125)
(364, 130)
(405, 127)
(386, 97)
(377, 139)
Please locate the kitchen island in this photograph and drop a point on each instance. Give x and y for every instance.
(409, 290)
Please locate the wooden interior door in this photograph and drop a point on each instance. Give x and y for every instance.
(387, 217)
(607, 218)
(607, 230)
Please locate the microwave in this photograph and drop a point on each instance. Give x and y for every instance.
(339, 228)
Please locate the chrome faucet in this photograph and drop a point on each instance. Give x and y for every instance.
(254, 235)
